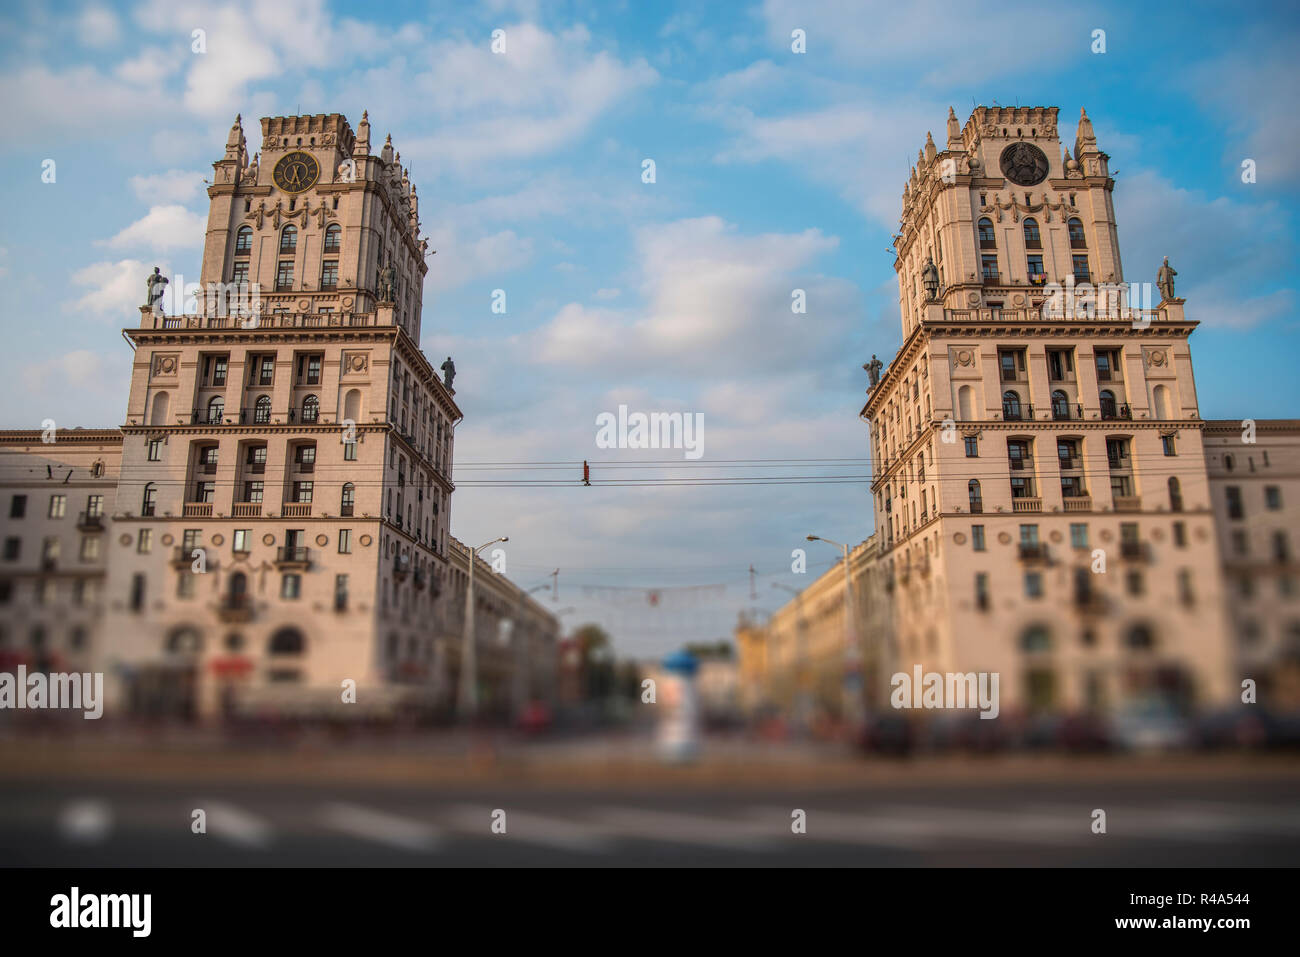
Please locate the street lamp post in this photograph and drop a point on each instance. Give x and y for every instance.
(852, 659)
(467, 699)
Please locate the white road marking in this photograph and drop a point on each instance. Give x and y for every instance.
(560, 833)
(86, 821)
(684, 828)
(867, 828)
(367, 824)
(239, 827)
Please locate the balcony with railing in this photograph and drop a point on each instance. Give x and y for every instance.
(1135, 551)
(1077, 503)
(197, 510)
(1033, 551)
(1020, 463)
(296, 556)
(1026, 504)
(296, 510)
(1110, 411)
(247, 510)
(90, 522)
(235, 608)
(1128, 503)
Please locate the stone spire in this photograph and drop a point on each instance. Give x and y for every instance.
(386, 154)
(1085, 137)
(236, 146)
(361, 147)
(931, 151)
(954, 130)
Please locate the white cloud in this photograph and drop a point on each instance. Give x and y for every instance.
(173, 186)
(461, 260)
(98, 26)
(116, 289)
(606, 294)
(163, 227)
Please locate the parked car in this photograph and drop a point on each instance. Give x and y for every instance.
(1151, 726)
(887, 733)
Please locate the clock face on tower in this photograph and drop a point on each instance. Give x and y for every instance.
(296, 172)
(1024, 164)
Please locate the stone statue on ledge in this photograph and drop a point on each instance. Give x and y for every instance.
(387, 281)
(1165, 280)
(873, 369)
(155, 281)
(448, 372)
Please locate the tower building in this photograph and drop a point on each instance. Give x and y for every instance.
(283, 507)
(1039, 484)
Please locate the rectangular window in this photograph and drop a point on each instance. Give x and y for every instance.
(284, 277)
(1078, 535)
(1167, 443)
(977, 537)
(144, 541)
(1240, 543)
(242, 539)
(1033, 584)
(972, 446)
(1081, 273)
(137, 592)
(94, 506)
(58, 506)
(1235, 510)
(1029, 535)
(1272, 497)
(306, 455)
(302, 492)
(345, 541)
(349, 451)
(185, 584)
(18, 506)
(1035, 269)
(1133, 582)
(191, 539)
(340, 592)
(1180, 534)
(329, 274)
(89, 548)
(13, 547)
(155, 450)
(989, 264)
(265, 370)
(1185, 592)
(239, 273)
(253, 492)
(291, 586)
(982, 590)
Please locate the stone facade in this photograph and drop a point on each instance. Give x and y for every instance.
(280, 516)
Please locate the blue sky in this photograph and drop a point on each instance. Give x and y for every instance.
(774, 171)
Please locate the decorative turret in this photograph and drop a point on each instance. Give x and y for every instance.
(1085, 136)
(386, 154)
(954, 131)
(362, 145)
(236, 147)
(931, 151)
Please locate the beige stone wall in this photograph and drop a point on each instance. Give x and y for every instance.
(1258, 543)
(52, 596)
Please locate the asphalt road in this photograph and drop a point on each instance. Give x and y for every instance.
(1175, 823)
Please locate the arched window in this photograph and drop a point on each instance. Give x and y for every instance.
(1139, 638)
(1036, 638)
(244, 241)
(352, 405)
(310, 409)
(1060, 405)
(1175, 495)
(1011, 405)
(262, 410)
(1033, 239)
(289, 239)
(333, 238)
(150, 501)
(286, 641)
(161, 403)
(1107, 401)
(216, 410)
(185, 640)
(965, 403)
(976, 499)
(1228, 462)
(1161, 394)
(349, 498)
(1077, 239)
(97, 470)
(987, 236)
(238, 584)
